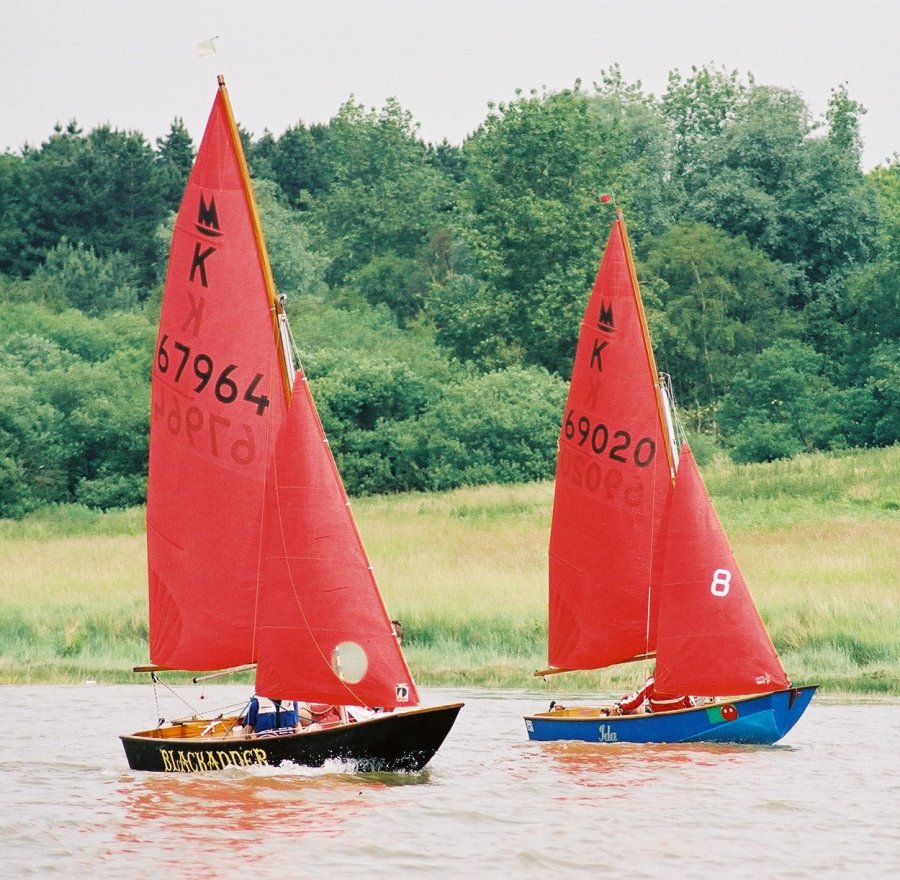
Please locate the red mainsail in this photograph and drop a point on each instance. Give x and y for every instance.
(217, 398)
(613, 480)
(252, 552)
(711, 639)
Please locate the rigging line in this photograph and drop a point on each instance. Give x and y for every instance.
(260, 540)
(294, 351)
(237, 709)
(651, 539)
(680, 433)
(656, 383)
(154, 677)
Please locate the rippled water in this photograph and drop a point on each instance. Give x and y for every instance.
(825, 803)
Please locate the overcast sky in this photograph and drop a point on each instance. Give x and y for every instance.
(135, 64)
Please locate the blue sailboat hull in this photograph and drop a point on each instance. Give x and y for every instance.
(759, 720)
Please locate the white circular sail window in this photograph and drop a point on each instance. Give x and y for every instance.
(349, 661)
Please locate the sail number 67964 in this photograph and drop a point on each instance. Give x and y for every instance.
(225, 388)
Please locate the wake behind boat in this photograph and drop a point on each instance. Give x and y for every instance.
(253, 553)
(640, 566)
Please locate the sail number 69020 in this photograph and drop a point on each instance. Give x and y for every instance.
(617, 446)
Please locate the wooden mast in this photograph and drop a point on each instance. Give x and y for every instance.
(276, 307)
(661, 405)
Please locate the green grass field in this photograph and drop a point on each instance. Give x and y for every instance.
(818, 538)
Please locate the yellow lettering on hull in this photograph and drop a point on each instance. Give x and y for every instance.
(177, 761)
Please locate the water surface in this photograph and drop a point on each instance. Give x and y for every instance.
(824, 803)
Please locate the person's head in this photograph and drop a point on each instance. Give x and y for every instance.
(397, 627)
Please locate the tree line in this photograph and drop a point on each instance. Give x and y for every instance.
(436, 290)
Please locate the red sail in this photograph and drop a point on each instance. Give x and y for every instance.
(253, 553)
(321, 610)
(217, 398)
(612, 481)
(712, 641)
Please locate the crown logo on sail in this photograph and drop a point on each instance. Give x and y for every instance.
(606, 321)
(208, 218)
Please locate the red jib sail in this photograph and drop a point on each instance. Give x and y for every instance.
(711, 639)
(322, 623)
(613, 480)
(253, 554)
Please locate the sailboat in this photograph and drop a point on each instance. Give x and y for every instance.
(254, 559)
(639, 565)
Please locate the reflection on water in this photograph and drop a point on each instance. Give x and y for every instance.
(628, 764)
(244, 809)
(195, 806)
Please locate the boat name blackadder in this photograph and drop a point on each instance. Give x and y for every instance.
(194, 762)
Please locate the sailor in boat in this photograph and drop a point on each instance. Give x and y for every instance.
(648, 699)
(315, 715)
(279, 717)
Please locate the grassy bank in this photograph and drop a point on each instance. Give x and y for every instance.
(818, 538)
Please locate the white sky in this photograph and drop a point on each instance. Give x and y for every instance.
(135, 64)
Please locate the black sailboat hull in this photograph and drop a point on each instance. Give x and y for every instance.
(389, 741)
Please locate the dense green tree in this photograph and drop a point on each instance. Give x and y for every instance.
(361, 402)
(401, 283)
(75, 277)
(869, 315)
(750, 165)
(869, 307)
(743, 174)
(90, 339)
(714, 303)
(498, 427)
(450, 160)
(76, 424)
(473, 321)
(383, 196)
(105, 432)
(784, 403)
(33, 463)
(881, 422)
(296, 266)
(769, 265)
(102, 191)
(17, 251)
(367, 377)
(842, 115)
(298, 162)
(174, 158)
(534, 174)
(699, 108)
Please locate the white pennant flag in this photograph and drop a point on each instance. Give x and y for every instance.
(207, 47)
